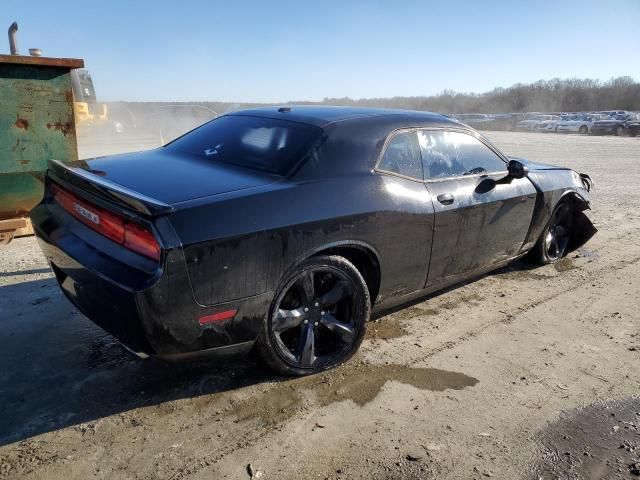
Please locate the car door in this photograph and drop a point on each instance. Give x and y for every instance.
(482, 215)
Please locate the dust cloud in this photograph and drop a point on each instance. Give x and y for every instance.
(136, 126)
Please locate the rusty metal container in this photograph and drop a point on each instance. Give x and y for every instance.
(36, 125)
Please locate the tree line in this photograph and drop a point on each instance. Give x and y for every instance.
(556, 95)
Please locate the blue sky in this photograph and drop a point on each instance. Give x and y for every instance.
(275, 51)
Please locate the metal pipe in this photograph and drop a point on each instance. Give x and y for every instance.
(13, 42)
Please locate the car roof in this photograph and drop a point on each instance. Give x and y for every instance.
(323, 115)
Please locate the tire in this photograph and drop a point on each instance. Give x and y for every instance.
(317, 319)
(619, 130)
(583, 129)
(554, 240)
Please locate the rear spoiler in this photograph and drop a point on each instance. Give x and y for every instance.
(93, 183)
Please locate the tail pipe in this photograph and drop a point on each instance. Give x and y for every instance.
(13, 41)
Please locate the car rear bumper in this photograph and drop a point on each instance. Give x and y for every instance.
(87, 291)
(151, 314)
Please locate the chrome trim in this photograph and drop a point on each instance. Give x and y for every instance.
(466, 131)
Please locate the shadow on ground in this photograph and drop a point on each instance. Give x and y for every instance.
(57, 369)
(598, 441)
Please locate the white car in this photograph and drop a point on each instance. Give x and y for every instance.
(531, 123)
(580, 124)
(547, 125)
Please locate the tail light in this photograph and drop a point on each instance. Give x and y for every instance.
(130, 235)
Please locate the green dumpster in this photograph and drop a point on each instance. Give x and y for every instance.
(36, 125)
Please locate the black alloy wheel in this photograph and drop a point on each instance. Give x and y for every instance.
(318, 318)
(555, 238)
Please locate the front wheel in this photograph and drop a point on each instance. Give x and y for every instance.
(583, 129)
(619, 130)
(318, 317)
(552, 244)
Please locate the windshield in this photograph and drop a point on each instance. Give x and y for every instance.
(621, 117)
(258, 143)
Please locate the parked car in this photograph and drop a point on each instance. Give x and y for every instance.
(547, 125)
(498, 121)
(284, 228)
(615, 125)
(530, 124)
(474, 119)
(633, 128)
(579, 123)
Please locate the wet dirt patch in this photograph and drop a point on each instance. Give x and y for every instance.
(385, 329)
(521, 271)
(359, 382)
(472, 299)
(599, 441)
(564, 265)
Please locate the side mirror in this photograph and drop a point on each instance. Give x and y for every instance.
(517, 169)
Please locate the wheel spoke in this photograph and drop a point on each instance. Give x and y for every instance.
(287, 319)
(340, 290)
(560, 231)
(553, 245)
(305, 353)
(343, 330)
(308, 287)
(563, 217)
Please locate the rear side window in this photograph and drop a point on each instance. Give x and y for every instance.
(402, 156)
(453, 154)
(257, 143)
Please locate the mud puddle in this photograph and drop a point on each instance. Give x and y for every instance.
(599, 441)
(360, 383)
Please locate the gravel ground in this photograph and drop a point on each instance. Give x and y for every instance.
(524, 373)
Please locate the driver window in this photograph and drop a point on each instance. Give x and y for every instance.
(453, 154)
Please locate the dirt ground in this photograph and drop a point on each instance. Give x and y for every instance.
(525, 373)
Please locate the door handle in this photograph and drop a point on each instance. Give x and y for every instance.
(445, 198)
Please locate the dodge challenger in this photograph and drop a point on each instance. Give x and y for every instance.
(285, 229)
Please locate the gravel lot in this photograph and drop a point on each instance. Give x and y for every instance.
(488, 379)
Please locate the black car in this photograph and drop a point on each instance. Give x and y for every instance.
(633, 128)
(284, 228)
(617, 124)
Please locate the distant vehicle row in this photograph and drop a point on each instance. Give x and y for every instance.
(614, 122)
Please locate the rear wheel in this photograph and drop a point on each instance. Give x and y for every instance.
(583, 129)
(552, 244)
(619, 130)
(317, 319)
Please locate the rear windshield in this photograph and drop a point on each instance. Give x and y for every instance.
(258, 143)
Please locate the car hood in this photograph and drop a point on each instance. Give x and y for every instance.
(532, 166)
(172, 178)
